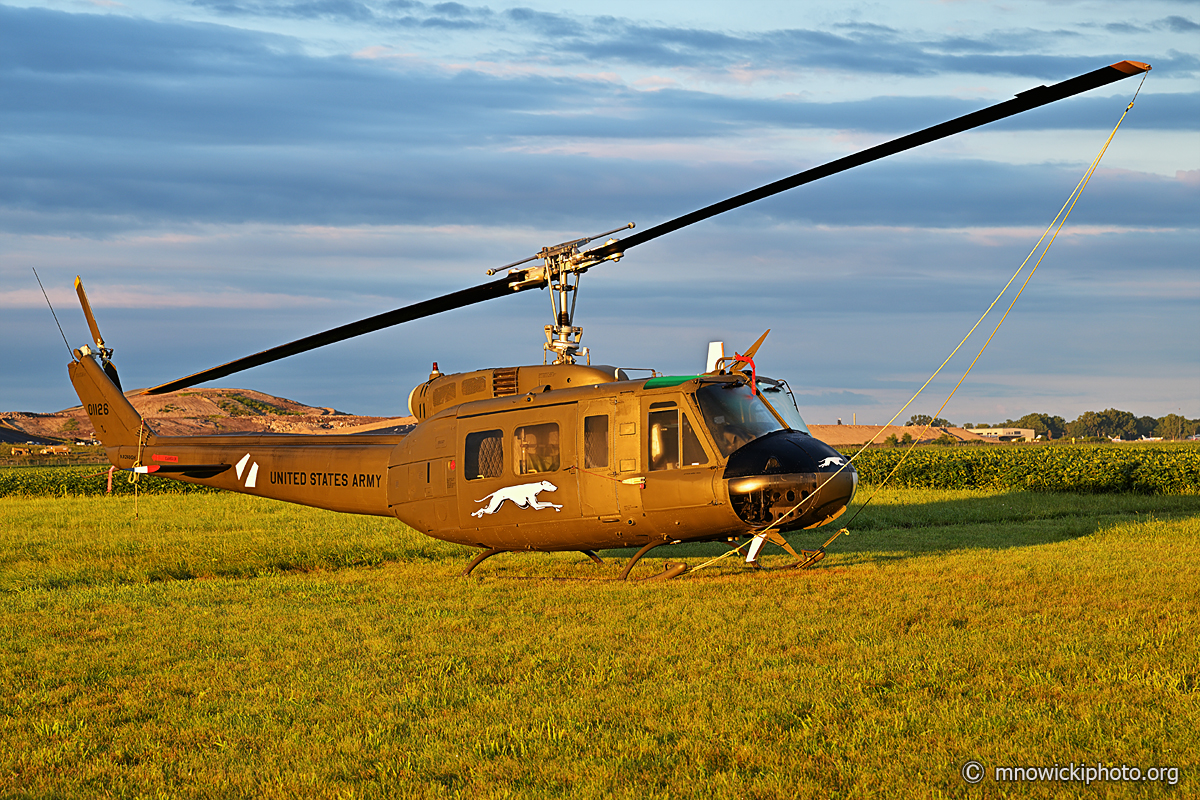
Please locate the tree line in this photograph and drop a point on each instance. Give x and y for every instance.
(1111, 423)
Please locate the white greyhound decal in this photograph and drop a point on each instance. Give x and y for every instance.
(831, 461)
(524, 496)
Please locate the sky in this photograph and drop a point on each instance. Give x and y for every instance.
(229, 175)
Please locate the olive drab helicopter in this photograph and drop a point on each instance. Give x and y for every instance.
(563, 456)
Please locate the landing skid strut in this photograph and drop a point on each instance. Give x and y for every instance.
(671, 571)
(486, 554)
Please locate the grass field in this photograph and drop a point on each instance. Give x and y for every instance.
(222, 645)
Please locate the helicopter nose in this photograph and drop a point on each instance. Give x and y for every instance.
(790, 479)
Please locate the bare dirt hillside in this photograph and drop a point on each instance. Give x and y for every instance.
(205, 411)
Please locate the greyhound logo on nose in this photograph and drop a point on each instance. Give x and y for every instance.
(832, 461)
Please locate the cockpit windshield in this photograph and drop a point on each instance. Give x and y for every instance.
(779, 395)
(734, 415)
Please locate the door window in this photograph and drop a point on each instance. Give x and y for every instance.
(672, 441)
(536, 448)
(484, 457)
(595, 442)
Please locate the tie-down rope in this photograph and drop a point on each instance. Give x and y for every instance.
(1060, 220)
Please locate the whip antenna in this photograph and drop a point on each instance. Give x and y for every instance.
(56, 322)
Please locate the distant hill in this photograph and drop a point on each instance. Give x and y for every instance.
(9, 435)
(202, 411)
(846, 435)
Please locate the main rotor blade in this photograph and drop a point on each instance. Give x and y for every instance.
(426, 308)
(510, 284)
(1025, 101)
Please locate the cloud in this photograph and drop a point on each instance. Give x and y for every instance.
(454, 16)
(856, 312)
(854, 47)
(212, 124)
(228, 185)
(1177, 24)
(100, 189)
(212, 85)
(546, 24)
(149, 297)
(341, 10)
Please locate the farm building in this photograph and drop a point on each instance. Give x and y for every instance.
(1006, 434)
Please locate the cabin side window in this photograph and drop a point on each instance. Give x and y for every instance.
(595, 442)
(672, 440)
(536, 448)
(484, 457)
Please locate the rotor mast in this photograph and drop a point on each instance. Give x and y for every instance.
(562, 267)
(562, 279)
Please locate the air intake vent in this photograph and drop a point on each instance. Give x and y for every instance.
(474, 385)
(504, 381)
(444, 393)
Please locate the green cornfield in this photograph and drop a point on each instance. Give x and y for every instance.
(1145, 469)
(83, 482)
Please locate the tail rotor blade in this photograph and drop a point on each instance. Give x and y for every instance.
(105, 353)
(87, 312)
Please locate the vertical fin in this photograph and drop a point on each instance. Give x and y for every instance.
(116, 421)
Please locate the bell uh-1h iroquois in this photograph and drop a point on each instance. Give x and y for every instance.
(553, 457)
